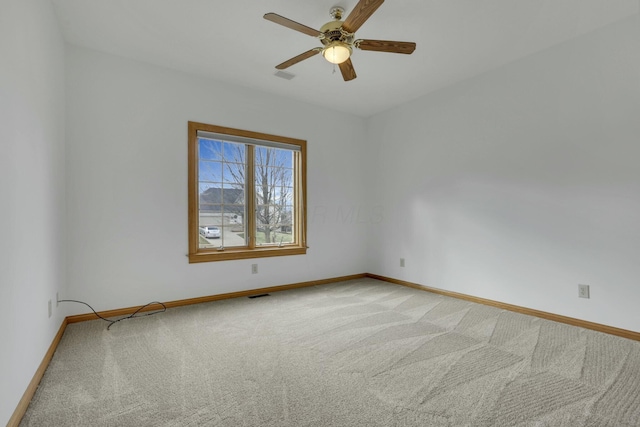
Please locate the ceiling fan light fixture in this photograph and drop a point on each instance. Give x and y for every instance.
(337, 52)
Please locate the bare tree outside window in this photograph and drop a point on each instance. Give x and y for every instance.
(273, 191)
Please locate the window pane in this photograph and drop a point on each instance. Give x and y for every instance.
(207, 199)
(274, 223)
(274, 157)
(210, 171)
(210, 211)
(274, 196)
(286, 225)
(222, 228)
(209, 227)
(232, 194)
(234, 152)
(234, 173)
(273, 175)
(283, 195)
(209, 149)
(261, 155)
(234, 235)
(222, 194)
(287, 176)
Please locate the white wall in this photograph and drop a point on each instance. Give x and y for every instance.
(127, 183)
(32, 193)
(520, 184)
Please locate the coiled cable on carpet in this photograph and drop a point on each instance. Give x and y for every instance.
(131, 316)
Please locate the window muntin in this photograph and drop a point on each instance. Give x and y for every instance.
(251, 186)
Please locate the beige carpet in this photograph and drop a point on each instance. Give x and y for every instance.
(358, 353)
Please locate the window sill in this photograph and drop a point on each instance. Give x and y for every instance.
(231, 254)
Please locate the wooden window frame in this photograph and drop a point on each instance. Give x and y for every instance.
(251, 250)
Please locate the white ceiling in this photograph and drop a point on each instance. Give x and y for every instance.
(231, 42)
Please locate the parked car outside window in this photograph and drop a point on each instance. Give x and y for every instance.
(210, 232)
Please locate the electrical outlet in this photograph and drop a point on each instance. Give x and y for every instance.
(583, 291)
(50, 308)
(401, 262)
(254, 268)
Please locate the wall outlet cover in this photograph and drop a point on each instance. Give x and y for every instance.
(583, 291)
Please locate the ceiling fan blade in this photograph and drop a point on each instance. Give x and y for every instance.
(386, 46)
(308, 54)
(363, 10)
(348, 72)
(273, 17)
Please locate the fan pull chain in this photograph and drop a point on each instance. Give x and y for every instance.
(334, 69)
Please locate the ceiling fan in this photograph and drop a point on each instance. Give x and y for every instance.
(338, 37)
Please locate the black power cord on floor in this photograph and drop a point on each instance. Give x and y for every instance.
(131, 316)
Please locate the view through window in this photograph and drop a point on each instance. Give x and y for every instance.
(246, 194)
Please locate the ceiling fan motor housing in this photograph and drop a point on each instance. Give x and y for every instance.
(333, 32)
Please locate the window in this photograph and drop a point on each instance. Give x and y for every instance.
(246, 194)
